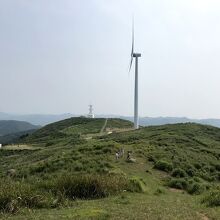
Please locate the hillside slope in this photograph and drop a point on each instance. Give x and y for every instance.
(193, 148)
(11, 126)
(182, 156)
(14, 138)
(72, 127)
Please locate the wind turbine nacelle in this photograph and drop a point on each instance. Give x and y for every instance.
(136, 55)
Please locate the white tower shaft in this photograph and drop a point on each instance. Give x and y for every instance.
(136, 56)
(136, 119)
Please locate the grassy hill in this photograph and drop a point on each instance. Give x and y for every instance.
(73, 127)
(174, 173)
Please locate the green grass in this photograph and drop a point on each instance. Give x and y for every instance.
(212, 198)
(182, 156)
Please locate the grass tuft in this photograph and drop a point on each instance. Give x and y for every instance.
(212, 198)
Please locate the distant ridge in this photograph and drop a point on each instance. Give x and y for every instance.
(35, 119)
(146, 121)
(149, 121)
(11, 130)
(44, 119)
(15, 137)
(11, 126)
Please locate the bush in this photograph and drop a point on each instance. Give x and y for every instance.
(89, 186)
(206, 176)
(212, 198)
(151, 158)
(198, 166)
(178, 183)
(178, 172)
(196, 188)
(197, 179)
(163, 165)
(39, 168)
(136, 185)
(159, 191)
(14, 195)
(78, 166)
(217, 167)
(192, 186)
(49, 143)
(191, 172)
(106, 150)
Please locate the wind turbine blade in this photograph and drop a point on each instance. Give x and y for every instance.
(132, 45)
(130, 64)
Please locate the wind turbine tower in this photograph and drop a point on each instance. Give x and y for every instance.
(91, 114)
(136, 56)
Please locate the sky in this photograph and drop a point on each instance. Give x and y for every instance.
(59, 56)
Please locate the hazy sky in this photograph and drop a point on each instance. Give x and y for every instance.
(58, 56)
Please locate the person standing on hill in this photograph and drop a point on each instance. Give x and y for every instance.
(129, 155)
(117, 155)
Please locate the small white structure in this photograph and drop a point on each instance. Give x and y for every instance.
(0, 146)
(91, 114)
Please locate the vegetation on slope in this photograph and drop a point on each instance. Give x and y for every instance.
(73, 153)
(15, 137)
(75, 127)
(189, 153)
(11, 127)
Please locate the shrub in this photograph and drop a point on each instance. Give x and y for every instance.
(106, 150)
(212, 198)
(151, 158)
(78, 166)
(207, 176)
(49, 143)
(197, 179)
(196, 188)
(14, 195)
(89, 186)
(163, 165)
(39, 168)
(136, 185)
(191, 172)
(178, 172)
(192, 186)
(197, 166)
(217, 167)
(159, 191)
(206, 168)
(178, 183)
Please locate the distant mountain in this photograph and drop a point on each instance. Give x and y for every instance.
(44, 119)
(10, 126)
(36, 119)
(4, 116)
(15, 137)
(213, 122)
(149, 121)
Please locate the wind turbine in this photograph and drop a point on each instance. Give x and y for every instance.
(136, 56)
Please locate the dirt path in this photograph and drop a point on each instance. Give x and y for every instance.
(104, 126)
